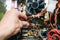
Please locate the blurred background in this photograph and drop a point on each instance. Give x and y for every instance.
(2, 8)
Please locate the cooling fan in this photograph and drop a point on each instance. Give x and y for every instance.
(34, 6)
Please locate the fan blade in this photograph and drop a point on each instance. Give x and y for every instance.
(32, 11)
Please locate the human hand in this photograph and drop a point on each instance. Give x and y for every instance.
(11, 23)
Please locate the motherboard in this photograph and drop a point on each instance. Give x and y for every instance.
(36, 30)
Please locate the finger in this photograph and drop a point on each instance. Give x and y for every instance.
(16, 31)
(25, 23)
(19, 24)
(22, 15)
(18, 27)
(22, 24)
